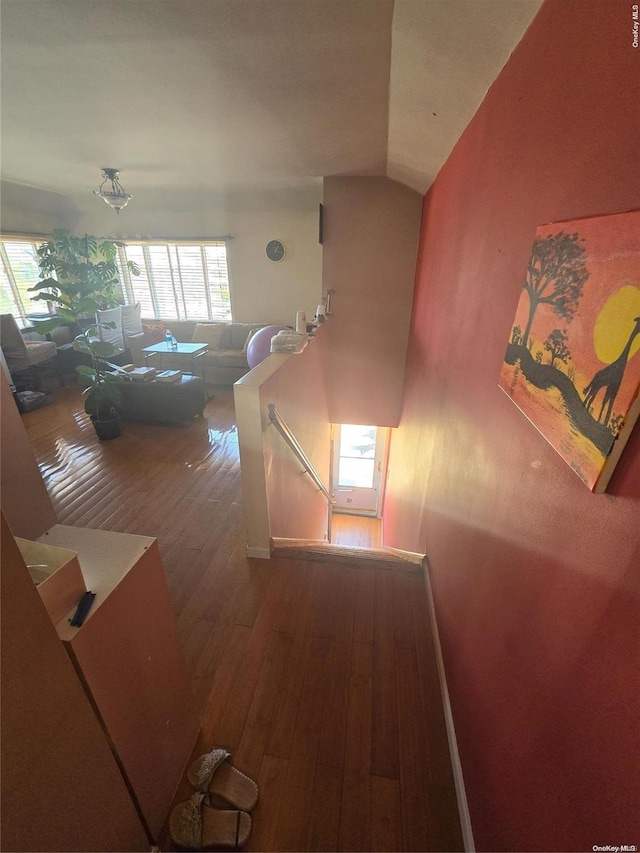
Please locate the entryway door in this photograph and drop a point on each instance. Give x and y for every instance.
(359, 456)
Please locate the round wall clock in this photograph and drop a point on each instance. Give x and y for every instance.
(275, 250)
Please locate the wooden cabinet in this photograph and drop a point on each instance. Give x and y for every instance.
(128, 658)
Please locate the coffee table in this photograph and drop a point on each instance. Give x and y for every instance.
(193, 351)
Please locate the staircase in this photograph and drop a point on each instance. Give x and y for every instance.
(323, 552)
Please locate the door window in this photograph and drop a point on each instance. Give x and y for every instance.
(356, 459)
(358, 455)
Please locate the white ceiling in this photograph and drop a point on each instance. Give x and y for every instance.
(243, 97)
(445, 56)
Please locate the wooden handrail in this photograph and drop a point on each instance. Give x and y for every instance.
(292, 441)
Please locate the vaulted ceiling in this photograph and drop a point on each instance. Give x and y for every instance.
(243, 97)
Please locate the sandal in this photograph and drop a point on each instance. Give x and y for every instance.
(214, 774)
(194, 825)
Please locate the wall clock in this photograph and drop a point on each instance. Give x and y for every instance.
(275, 250)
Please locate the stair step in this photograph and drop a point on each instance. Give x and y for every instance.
(324, 552)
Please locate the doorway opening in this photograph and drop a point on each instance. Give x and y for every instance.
(358, 473)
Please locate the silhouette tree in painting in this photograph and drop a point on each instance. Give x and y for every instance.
(556, 345)
(555, 276)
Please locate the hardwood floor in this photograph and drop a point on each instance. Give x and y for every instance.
(358, 530)
(320, 679)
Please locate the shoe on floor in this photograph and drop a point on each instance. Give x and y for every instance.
(214, 774)
(195, 825)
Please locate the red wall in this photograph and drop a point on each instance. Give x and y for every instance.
(535, 578)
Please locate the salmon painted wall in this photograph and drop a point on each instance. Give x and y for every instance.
(297, 509)
(279, 500)
(371, 228)
(535, 579)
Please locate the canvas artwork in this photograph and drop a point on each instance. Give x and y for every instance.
(572, 364)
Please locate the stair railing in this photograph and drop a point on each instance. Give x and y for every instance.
(294, 444)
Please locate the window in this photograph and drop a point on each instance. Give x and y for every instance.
(178, 281)
(356, 456)
(18, 272)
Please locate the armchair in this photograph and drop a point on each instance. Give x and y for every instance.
(22, 356)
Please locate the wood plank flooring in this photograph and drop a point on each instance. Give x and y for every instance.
(357, 530)
(319, 678)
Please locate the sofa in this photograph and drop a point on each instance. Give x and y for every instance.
(226, 359)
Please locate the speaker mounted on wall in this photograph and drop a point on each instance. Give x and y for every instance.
(320, 223)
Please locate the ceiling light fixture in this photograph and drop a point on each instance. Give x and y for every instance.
(111, 191)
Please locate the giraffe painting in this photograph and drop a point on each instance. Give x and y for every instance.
(610, 377)
(570, 364)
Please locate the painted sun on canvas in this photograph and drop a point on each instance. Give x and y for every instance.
(572, 364)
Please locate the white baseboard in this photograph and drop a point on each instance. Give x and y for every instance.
(259, 553)
(461, 793)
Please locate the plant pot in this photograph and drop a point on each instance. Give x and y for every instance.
(106, 429)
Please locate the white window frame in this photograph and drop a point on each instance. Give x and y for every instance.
(24, 306)
(131, 284)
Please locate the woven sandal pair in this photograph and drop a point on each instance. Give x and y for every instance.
(216, 815)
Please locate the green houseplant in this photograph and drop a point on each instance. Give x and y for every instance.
(102, 381)
(79, 277)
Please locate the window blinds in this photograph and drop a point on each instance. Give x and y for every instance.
(18, 272)
(177, 281)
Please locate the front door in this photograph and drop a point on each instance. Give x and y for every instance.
(358, 457)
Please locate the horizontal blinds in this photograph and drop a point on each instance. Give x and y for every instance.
(161, 272)
(193, 281)
(137, 287)
(19, 272)
(10, 302)
(179, 281)
(215, 260)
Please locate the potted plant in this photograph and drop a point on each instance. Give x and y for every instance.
(86, 278)
(102, 382)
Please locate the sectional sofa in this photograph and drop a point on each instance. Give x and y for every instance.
(224, 363)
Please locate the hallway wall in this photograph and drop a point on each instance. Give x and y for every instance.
(279, 501)
(535, 578)
(371, 228)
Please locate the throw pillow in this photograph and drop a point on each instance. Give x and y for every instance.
(111, 336)
(208, 333)
(153, 334)
(131, 323)
(248, 340)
